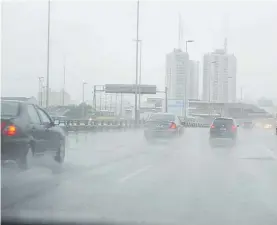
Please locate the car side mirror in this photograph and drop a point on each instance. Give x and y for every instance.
(56, 122)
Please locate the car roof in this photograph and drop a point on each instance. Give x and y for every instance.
(160, 113)
(19, 102)
(223, 118)
(15, 101)
(163, 114)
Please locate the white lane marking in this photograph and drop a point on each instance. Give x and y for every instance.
(137, 172)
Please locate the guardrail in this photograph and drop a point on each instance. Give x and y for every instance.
(196, 124)
(98, 125)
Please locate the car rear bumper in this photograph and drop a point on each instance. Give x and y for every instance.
(227, 136)
(160, 134)
(13, 150)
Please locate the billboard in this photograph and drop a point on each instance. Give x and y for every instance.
(175, 106)
(158, 102)
(130, 88)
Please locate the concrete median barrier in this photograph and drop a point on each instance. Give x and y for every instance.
(102, 125)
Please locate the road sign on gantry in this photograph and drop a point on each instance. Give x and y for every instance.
(130, 88)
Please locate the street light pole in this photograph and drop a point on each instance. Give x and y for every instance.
(63, 82)
(140, 73)
(84, 83)
(48, 55)
(213, 62)
(136, 89)
(166, 100)
(40, 85)
(121, 103)
(83, 102)
(43, 101)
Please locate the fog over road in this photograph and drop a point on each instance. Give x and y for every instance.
(118, 176)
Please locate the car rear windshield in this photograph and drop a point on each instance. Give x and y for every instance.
(9, 108)
(226, 122)
(162, 117)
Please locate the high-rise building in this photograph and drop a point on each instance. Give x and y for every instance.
(193, 92)
(177, 74)
(219, 77)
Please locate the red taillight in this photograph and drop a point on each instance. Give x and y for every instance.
(212, 126)
(173, 126)
(9, 130)
(234, 128)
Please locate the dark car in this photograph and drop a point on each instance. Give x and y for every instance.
(223, 128)
(27, 132)
(163, 125)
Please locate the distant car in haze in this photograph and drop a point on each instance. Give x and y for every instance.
(28, 131)
(163, 125)
(247, 125)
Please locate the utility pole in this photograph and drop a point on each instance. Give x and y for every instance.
(116, 104)
(63, 82)
(111, 102)
(43, 101)
(105, 100)
(83, 97)
(185, 99)
(140, 57)
(121, 103)
(48, 56)
(166, 101)
(136, 89)
(40, 87)
(94, 97)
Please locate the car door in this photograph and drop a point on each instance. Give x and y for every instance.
(35, 129)
(49, 131)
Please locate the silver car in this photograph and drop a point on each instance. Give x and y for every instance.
(163, 125)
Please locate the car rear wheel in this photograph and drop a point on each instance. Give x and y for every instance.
(59, 158)
(25, 161)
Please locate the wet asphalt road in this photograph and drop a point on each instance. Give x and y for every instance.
(118, 177)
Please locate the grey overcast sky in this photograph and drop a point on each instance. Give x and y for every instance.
(95, 39)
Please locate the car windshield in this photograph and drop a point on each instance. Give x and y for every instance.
(9, 108)
(162, 117)
(226, 122)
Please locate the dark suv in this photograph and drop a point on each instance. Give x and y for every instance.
(223, 128)
(27, 131)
